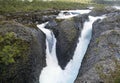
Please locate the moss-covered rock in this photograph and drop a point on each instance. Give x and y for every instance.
(22, 53)
(11, 48)
(102, 9)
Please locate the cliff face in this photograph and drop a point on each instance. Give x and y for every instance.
(101, 62)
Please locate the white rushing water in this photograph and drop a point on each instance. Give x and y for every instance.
(50, 45)
(116, 7)
(53, 73)
(91, 7)
(72, 69)
(71, 13)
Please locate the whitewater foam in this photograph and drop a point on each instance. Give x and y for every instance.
(61, 15)
(53, 73)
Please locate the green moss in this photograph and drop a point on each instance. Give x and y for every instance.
(116, 74)
(31, 25)
(96, 50)
(58, 20)
(99, 69)
(13, 56)
(112, 76)
(99, 7)
(11, 47)
(97, 40)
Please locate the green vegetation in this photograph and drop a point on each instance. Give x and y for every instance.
(11, 48)
(99, 7)
(81, 1)
(7, 6)
(18, 5)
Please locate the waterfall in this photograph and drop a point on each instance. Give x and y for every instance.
(116, 7)
(72, 68)
(50, 45)
(71, 13)
(53, 73)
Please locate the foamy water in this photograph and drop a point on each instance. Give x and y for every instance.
(72, 13)
(53, 73)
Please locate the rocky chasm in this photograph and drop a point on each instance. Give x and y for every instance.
(101, 60)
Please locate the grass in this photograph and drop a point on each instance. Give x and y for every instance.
(15, 6)
(8, 6)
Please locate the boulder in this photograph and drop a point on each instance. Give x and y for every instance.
(29, 45)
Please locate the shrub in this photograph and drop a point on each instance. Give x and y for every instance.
(11, 47)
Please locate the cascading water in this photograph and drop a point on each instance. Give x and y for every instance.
(73, 66)
(50, 45)
(53, 73)
(116, 7)
(71, 13)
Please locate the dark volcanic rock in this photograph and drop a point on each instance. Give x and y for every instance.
(101, 63)
(28, 68)
(67, 36)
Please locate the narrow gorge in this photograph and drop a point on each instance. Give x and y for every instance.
(52, 72)
(82, 48)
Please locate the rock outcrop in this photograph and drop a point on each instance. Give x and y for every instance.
(67, 32)
(33, 17)
(30, 47)
(101, 62)
(101, 10)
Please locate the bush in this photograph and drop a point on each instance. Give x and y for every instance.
(11, 47)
